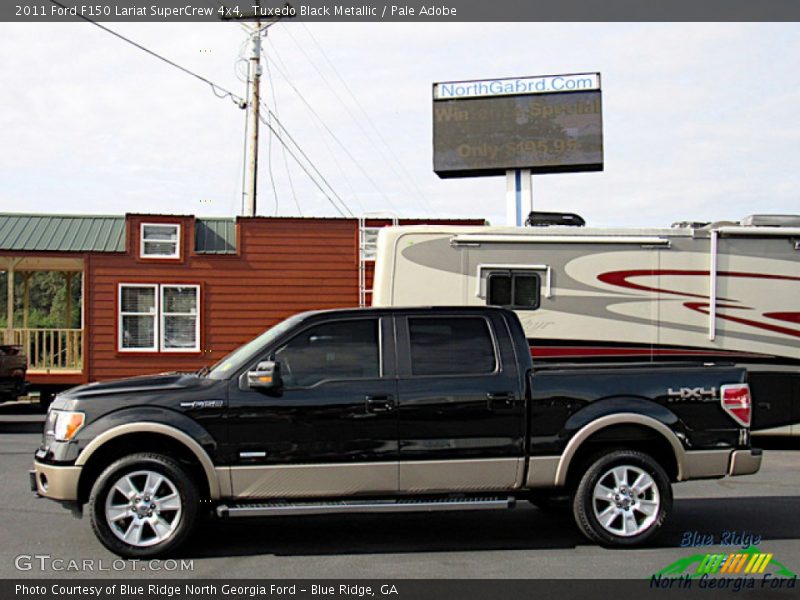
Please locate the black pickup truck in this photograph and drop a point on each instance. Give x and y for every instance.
(385, 410)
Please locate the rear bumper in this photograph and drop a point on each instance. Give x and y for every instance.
(745, 462)
(55, 482)
(713, 464)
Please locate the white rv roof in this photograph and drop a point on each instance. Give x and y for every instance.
(554, 233)
(553, 230)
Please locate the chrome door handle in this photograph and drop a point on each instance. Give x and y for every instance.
(378, 404)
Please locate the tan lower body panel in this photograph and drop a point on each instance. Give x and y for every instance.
(308, 481)
(57, 483)
(542, 471)
(347, 479)
(744, 462)
(472, 475)
(706, 463)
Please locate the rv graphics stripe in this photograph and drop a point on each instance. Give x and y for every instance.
(622, 279)
(703, 308)
(547, 350)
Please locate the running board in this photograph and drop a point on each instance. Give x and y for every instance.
(272, 509)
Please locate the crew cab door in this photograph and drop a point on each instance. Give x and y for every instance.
(332, 429)
(461, 414)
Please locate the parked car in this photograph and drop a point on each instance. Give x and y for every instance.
(13, 367)
(386, 410)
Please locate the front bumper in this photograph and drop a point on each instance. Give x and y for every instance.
(745, 462)
(55, 482)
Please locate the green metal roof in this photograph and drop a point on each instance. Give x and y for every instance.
(215, 236)
(90, 233)
(62, 233)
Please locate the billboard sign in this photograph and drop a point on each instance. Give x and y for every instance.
(547, 124)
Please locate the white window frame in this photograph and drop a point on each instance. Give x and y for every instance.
(163, 317)
(142, 240)
(159, 345)
(121, 314)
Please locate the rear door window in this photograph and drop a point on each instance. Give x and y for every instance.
(451, 346)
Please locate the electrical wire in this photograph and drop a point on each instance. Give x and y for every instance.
(269, 169)
(392, 158)
(283, 148)
(324, 138)
(426, 205)
(327, 128)
(279, 137)
(306, 157)
(223, 93)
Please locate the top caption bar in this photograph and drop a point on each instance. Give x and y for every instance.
(411, 11)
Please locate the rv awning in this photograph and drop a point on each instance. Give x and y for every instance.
(558, 239)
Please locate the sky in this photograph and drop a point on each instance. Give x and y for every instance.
(701, 121)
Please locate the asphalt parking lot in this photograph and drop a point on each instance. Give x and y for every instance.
(521, 543)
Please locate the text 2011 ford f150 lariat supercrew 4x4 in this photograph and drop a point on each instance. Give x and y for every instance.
(383, 410)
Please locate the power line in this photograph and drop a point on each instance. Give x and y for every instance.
(330, 132)
(269, 169)
(279, 137)
(392, 157)
(322, 137)
(283, 148)
(304, 155)
(214, 87)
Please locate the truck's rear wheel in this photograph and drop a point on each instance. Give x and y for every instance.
(623, 499)
(143, 505)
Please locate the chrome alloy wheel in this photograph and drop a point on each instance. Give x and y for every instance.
(143, 508)
(626, 501)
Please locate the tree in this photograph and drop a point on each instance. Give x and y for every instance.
(48, 294)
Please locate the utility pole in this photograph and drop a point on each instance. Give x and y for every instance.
(255, 31)
(253, 107)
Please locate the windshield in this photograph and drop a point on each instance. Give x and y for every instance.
(242, 355)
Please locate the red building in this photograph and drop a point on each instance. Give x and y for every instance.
(164, 293)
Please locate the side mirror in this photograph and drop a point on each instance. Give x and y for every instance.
(267, 376)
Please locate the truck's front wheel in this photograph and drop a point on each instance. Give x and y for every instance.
(623, 499)
(143, 505)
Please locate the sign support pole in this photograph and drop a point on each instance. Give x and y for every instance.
(519, 196)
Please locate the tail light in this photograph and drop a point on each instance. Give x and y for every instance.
(737, 403)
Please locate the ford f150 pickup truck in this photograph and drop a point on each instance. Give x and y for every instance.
(384, 410)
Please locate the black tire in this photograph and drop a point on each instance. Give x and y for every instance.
(178, 485)
(645, 514)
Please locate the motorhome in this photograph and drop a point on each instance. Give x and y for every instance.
(715, 292)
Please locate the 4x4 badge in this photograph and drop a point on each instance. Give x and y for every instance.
(689, 394)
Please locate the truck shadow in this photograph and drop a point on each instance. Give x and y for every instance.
(525, 528)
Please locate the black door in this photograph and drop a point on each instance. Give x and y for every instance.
(775, 397)
(461, 417)
(333, 429)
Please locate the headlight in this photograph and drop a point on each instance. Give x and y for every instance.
(63, 424)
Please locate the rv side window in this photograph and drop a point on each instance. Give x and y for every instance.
(514, 290)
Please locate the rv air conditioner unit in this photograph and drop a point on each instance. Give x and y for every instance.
(771, 221)
(543, 219)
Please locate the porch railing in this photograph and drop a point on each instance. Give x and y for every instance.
(51, 349)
